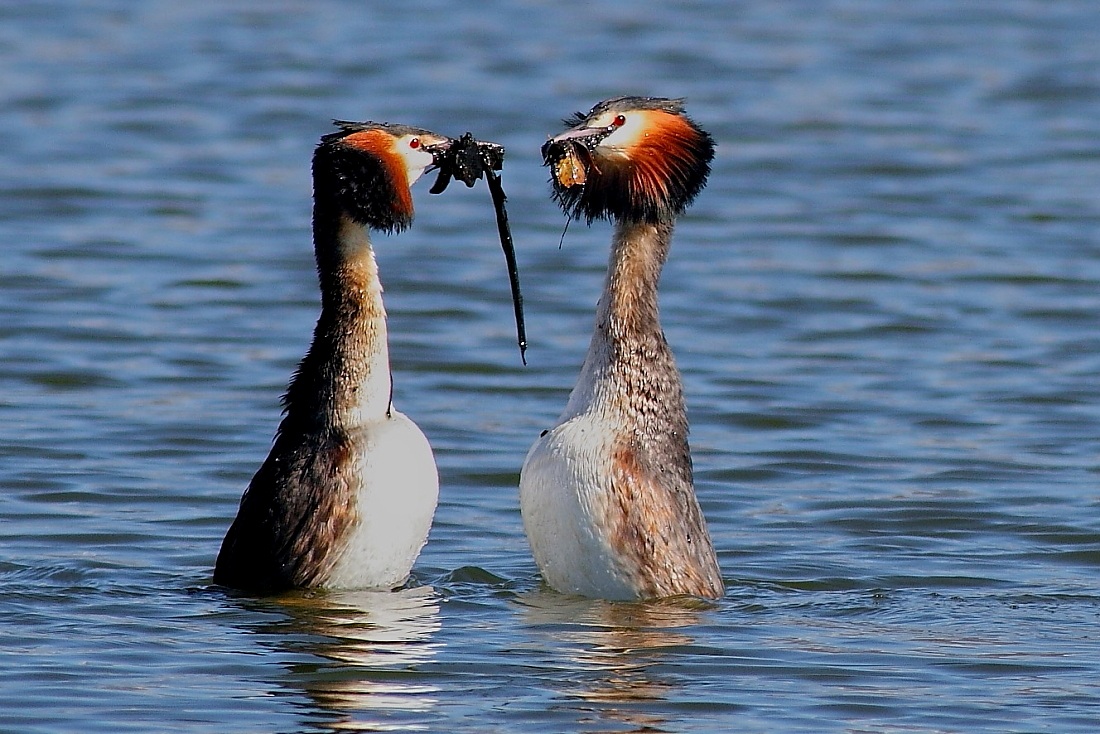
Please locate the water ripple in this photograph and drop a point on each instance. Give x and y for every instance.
(882, 305)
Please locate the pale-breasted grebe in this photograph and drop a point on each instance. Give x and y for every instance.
(346, 497)
(607, 494)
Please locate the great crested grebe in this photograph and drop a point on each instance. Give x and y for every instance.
(346, 497)
(607, 494)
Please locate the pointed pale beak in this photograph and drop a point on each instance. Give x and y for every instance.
(579, 132)
(578, 140)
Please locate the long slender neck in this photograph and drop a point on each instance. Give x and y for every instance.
(629, 368)
(628, 306)
(344, 379)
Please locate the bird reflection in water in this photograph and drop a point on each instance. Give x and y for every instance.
(614, 651)
(364, 649)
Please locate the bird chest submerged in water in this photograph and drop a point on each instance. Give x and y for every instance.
(394, 504)
(569, 507)
(606, 495)
(346, 496)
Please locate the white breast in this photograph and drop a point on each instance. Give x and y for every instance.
(565, 500)
(396, 502)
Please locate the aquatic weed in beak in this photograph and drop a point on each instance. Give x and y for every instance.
(467, 160)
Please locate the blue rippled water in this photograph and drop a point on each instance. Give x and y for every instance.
(884, 305)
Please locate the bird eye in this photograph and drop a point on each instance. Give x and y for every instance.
(414, 143)
(619, 121)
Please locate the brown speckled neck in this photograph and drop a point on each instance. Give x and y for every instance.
(629, 351)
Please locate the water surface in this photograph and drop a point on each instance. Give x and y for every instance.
(884, 305)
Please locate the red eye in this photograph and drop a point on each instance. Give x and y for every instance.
(414, 143)
(619, 121)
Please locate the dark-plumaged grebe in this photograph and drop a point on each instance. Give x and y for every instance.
(346, 497)
(607, 494)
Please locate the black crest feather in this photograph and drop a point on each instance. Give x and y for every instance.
(358, 182)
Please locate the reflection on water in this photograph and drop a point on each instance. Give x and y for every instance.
(615, 649)
(361, 647)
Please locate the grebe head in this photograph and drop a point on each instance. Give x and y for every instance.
(365, 169)
(631, 158)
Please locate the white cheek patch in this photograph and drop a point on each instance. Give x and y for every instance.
(416, 161)
(627, 135)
